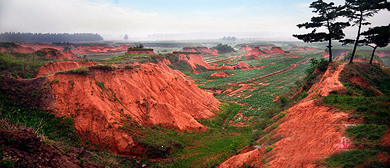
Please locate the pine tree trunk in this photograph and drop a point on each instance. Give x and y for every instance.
(330, 51)
(357, 38)
(372, 56)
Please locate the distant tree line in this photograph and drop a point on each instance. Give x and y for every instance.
(48, 37)
(223, 48)
(140, 46)
(228, 38)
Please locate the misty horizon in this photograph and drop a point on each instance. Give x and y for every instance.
(167, 20)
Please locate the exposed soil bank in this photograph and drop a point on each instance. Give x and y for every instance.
(309, 132)
(104, 100)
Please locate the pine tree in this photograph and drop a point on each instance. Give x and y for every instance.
(378, 36)
(358, 12)
(327, 14)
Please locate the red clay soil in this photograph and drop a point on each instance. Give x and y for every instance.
(204, 50)
(276, 50)
(38, 46)
(51, 68)
(310, 49)
(255, 52)
(244, 66)
(18, 48)
(219, 74)
(148, 98)
(309, 132)
(193, 59)
(140, 51)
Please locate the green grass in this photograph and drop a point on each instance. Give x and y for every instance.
(362, 103)
(350, 158)
(20, 64)
(375, 110)
(44, 123)
(250, 74)
(193, 149)
(367, 133)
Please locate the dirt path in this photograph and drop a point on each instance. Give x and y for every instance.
(309, 132)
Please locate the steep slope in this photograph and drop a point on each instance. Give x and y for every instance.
(194, 59)
(106, 99)
(309, 132)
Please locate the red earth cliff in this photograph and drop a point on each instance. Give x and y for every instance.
(51, 68)
(102, 101)
(276, 50)
(193, 59)
(309, 132)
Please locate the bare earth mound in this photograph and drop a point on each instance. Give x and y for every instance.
(254, 52)
(309, 132)
(219, 74)
(276, 50)
(202, 50)
(102, 101)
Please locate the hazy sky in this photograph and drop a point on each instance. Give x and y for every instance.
(215, 18)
